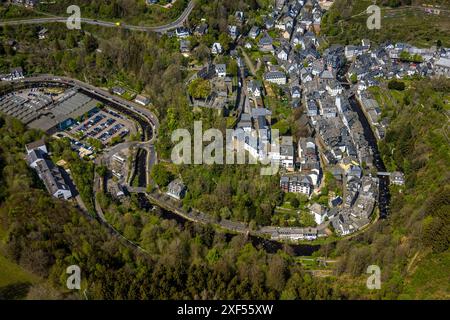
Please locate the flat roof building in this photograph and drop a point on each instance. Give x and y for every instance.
(43, 112)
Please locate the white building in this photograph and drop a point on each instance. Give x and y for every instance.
(352, 51)
(296, 184)
(254, 88)
(182, 32)
(40, 144)
(283, 54)
(319, 213)
(397, 178)
(254, 32)
(216, 48)
(277, 77)
(221, 70)
(15, 74)
(233, 31)
(51, 175)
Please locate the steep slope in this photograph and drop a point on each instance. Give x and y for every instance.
(412, 246)
(403, 21)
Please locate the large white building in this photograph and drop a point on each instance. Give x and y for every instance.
(51, 175)
(296, 184)
(277, 77)
(319, 212)
(221, 70)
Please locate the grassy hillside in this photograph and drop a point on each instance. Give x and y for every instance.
(14, 280)
(430, 279)
(346, 21)
(412, 246)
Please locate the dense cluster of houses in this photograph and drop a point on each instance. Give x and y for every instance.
(293, 61)
(222, 91)
(312, 79)
(390, 61)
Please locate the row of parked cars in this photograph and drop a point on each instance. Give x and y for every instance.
(91, 122)
(77, 145)
(115, 114)
(108, 134)
(97, 130)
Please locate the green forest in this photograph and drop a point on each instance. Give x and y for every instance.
(417, 233)
(132, 12)
(345, 23)
(44, 235)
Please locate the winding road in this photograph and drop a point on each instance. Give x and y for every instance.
(125, 106)
(159, 29)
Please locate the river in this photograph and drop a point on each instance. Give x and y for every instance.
(383, 194)
(269, 246)
(140, 173)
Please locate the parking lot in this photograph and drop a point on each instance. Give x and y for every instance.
(104, 125)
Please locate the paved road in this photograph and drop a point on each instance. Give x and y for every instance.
(161, 200)
(403, 8)
(104, 221)
(249, 63)
(132, 106)
(160, 29)
(108, 153)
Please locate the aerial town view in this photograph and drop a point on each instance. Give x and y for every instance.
(224, 150)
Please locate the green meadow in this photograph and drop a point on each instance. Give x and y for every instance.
(14, 280)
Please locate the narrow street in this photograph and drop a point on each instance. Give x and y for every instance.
(248, 62)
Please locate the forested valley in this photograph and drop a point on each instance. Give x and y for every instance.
(44, 235)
